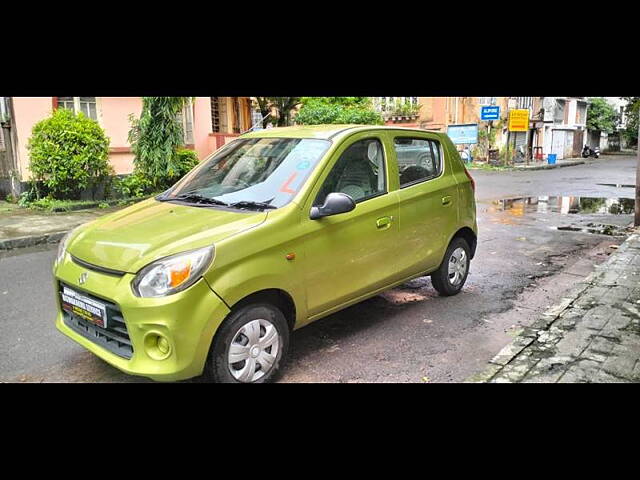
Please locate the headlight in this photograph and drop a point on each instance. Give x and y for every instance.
(172, 274)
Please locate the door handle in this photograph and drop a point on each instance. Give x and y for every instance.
(384, 223)
(446, 200)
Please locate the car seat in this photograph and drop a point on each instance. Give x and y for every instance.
(360, 177)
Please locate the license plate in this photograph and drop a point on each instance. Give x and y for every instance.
(84, 307)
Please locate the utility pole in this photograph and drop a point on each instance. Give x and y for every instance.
(637, 216)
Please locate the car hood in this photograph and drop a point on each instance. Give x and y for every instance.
(136, 236)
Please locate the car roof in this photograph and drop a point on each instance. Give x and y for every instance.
(321, 131)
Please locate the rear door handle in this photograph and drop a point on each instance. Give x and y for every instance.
(384, 223)
(446, 200)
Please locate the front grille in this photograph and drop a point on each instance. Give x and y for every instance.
(114, 338)
(96, 268)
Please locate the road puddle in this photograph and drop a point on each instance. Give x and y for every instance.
(616, 185)
(564, 205)
(598, 228)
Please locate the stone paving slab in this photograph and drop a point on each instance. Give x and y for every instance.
(591, 335)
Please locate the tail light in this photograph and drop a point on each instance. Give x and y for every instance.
(473, 183)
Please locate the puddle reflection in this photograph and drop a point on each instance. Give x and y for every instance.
(564, 205)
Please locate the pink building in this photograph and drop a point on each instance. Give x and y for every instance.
(209, 122)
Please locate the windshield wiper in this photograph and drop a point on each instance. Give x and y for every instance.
(199, 199)
(252, 205)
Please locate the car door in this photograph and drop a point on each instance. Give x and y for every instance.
(350, 254)
(428, 198)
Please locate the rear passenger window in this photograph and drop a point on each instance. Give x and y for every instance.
(418, 159)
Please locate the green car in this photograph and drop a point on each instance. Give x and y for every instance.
(275, 230)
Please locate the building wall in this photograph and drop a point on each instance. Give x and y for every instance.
(27, 112)
(113, 116)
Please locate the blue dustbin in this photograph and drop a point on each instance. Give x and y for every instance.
(551, 158)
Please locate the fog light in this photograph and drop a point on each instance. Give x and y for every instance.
(163, 345)
(157, 346)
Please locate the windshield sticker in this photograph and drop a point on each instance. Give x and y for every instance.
(285, 186)
(304, 165)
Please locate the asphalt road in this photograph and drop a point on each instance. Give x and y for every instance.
(408, 334)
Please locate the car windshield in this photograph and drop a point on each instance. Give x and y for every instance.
(256, 173)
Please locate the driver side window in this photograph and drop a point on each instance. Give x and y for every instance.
(359, 172)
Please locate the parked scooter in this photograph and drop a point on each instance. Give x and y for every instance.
(587, 151)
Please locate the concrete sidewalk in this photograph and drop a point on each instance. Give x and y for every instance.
(593, 335)
(25, 228)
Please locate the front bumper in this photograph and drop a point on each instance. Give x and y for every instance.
(187, 320)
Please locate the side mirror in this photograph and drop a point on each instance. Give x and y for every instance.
(334, 204)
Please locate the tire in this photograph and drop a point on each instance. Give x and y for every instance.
(442, 281)
(239, 331)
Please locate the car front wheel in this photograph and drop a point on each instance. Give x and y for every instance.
(452, 274)
(249, 347)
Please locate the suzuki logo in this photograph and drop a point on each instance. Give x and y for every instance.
(83, 278)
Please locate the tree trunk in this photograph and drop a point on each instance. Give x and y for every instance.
(265, 108)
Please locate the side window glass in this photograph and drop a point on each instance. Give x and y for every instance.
(418, 159)
(359, 172)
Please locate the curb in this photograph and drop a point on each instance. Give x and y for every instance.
(536, 167)
(23, 242)
(549, 167)
(544, 323)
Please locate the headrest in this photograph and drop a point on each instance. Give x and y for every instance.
(372, 151)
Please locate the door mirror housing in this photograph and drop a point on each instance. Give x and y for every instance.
(334, 204)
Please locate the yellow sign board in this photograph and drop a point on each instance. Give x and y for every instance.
(518, 120)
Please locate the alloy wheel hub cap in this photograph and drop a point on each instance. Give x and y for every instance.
(458, 264)
(253, 350)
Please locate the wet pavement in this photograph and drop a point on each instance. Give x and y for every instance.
(523, 265)
(592, 335)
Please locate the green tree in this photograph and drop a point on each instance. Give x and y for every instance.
(282, 107)
(630, 132)
(156, 138)
(337, 110)
(601, 115)
(68, 153)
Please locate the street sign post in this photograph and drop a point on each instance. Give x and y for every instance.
(519, 120)
(489, 113)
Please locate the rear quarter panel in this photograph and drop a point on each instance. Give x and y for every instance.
(466, 195)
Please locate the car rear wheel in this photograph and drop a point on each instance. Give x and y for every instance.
(249, 347)
(452, 274)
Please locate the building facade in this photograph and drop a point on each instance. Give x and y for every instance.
(208, 123)
(562, 126)
(556, 124)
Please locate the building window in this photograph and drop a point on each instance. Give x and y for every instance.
(390, 104)
(524, 102)
(187, 123)
(487, 100)
(215, 114)
(581, 113)
(558, 114)
(86, 105)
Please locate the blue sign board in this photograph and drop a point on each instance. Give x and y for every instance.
(490, 113)
(463, 134)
